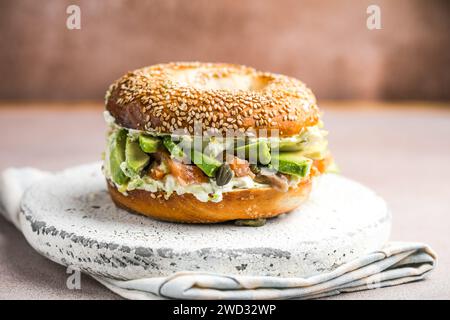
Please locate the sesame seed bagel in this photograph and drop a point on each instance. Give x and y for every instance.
(237, 204)
(168, 97)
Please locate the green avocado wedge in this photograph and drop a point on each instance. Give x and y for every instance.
(292, 163)
(311, 150)
(149, 144)
(206, 163)
(136, 158)
(259, 151)
(291, 145)
(117, 156)
(250, 222)
(175, 150)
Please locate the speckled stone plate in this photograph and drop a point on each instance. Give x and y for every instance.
(70, 218)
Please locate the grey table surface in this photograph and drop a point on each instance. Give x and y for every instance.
(400, 151)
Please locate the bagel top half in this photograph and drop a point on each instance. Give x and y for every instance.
(168, 97)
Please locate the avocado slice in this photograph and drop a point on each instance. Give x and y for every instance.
(149, 144)
(313, 151)
(135, 157)
(206, 163)
(260, 150)
(175, 150)
(250, 222)
(292, 163)
(117, 156)
(291, 145)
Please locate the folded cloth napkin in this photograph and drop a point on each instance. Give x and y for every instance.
(396, 263)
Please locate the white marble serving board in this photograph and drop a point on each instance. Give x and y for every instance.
(71, 219)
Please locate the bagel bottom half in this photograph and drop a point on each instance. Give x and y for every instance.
(237, 204)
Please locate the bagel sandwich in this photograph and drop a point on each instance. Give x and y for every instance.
(206, 143)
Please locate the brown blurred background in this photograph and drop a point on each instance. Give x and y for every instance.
(324, 43)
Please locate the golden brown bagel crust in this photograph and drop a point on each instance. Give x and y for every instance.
(166, 97)
(238, 204)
